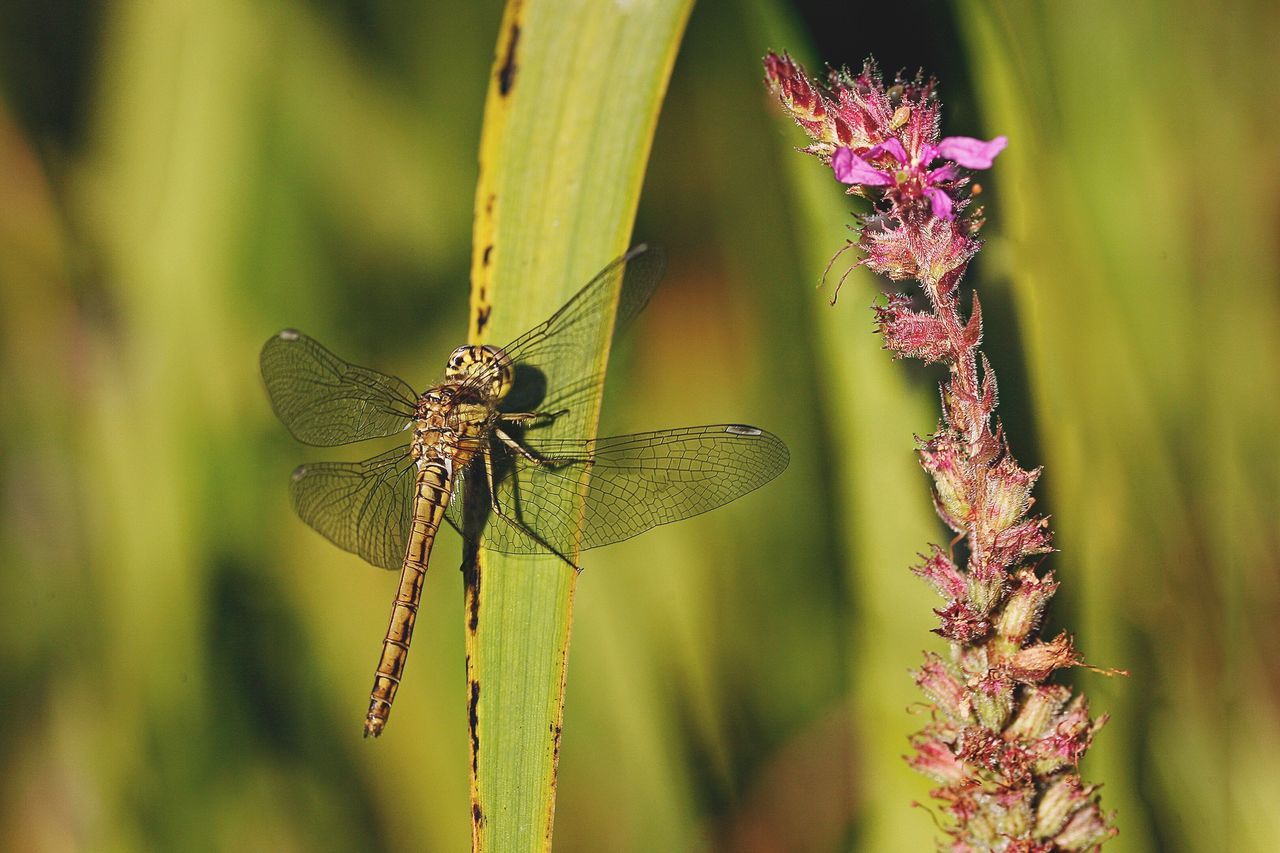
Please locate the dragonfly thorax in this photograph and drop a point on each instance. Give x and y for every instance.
(454, 417)
(451, 424)
(483, 370)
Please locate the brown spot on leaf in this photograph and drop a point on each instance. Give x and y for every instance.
(473, 602)
(473, 724)
(482, 318)
(507, 73)
(477, 814)
(488, 254)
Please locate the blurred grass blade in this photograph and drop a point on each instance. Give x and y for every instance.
(569, 120)
(1150, 325)
(871, 410)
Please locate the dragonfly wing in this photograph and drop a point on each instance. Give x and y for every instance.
(625, 484)
(324, 400)
(362, 507)
(553, 360)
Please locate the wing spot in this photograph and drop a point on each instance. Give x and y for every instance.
(741, 429)
(299, 473)
(289, 335)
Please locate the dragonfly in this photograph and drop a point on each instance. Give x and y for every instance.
(483, 430)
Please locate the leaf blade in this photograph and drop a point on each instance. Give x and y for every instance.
(569, 121)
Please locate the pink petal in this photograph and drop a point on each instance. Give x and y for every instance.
(852, 169)
(971, 153)
(941, 203)
(942, 173)
(892, 147)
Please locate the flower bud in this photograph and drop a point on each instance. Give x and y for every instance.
(986, 591)
(1006, 494)
(911, 334)
(940, 571)
(1087, 829)
(1024, 606)
(1011, 545)
(942, 687)
(961, 623)
(1060, 801)
(993, 702)
(1040, 706)
(934, 758)
(952, 480)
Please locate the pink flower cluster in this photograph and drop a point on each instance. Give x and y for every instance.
(1002, 743)
(884, 143)
(909, 177)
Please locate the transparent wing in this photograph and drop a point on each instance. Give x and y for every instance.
(553, 360)
(323, 400)
(362, 507)
(633, 483)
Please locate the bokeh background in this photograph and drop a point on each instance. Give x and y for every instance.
(184, 665)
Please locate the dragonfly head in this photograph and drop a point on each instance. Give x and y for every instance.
(485, 368)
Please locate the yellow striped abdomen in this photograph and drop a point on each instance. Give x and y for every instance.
(430, 499)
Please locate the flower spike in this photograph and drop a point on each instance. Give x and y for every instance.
(1003, 745)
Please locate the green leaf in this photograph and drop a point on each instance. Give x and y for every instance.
(569, 120)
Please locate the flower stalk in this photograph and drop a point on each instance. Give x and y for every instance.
(1002, 744)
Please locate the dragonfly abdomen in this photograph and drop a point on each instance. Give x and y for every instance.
(430, 500)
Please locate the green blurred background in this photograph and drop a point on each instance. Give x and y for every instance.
(185, 665)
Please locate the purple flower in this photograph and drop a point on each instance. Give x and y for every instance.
(969, 152)
(911, 176)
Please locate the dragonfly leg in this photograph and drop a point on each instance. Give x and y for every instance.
(525, 417)
(544, 461)
(516, 523)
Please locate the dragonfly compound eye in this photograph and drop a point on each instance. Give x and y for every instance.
(486, 367)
